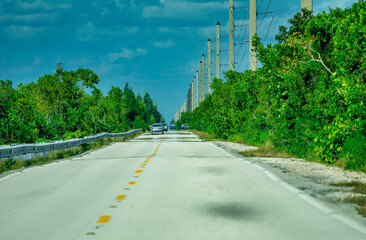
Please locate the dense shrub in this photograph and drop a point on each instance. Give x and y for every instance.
(309, 96)
(58, 106)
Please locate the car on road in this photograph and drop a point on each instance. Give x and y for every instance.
(172, 126)
(157, 128)
(184, 126)
(165, 127)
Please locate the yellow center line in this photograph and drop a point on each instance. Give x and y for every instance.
(121, 197)
(104, 219)
(138, 171)
(131, 183)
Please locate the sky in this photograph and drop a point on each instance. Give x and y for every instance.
(154, 45)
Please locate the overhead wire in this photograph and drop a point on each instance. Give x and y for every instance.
(283, 2)
(269, 28)
(260, 5)
(241, 40)
(242, 58)
(269, 3)
(241, 29)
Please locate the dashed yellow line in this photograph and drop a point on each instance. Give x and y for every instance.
(104, 219)
(121, 197)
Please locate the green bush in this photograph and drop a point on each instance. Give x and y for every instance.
(309, 96)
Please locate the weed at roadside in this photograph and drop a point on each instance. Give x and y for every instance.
(360, 199)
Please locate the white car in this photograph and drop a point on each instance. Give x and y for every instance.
(157, 127)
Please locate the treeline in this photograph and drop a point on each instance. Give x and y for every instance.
(68, 104)
(309, 96)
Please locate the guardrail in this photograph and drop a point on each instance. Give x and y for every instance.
(20, 149)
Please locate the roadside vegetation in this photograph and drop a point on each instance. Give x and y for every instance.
(67, 105)
(307, 100)
(13, 164)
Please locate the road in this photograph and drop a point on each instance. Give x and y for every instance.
(170, 186)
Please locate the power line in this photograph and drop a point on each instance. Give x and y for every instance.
(269, 3)
(241, 29)
(242, 59)
(259, 5)
(283, 2)
(269, 28)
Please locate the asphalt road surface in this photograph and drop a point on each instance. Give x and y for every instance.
(170, 186)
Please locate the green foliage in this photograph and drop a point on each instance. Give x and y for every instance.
(309, 96)
(354, 151)
(58, 106)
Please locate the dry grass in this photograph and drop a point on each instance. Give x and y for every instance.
(267, 150)
(360, 199)
(205, 136)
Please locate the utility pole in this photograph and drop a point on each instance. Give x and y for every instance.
(194, 93)
(231, 37)
(209, 74)
(252, 32)
(218, 51)
(197, 90)
(185, 105)
(191, 97)
(308, 4)
(202, 79)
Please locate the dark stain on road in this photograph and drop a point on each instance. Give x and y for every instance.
(216, 171)
(232, 211)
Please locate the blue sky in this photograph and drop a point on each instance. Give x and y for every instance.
(154, 45)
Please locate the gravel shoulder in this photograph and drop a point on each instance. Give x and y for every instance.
(316, 179)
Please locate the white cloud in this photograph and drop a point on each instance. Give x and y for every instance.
(189, 66)
(30, 18)
(22, 31)
(37, 61)
(141, 51)
(180, 9)
(164, 44)
(175, 30)
(208, 32)
(39, 4)
(119, 4)
(90, 32)
(325, 5)
(125, 54)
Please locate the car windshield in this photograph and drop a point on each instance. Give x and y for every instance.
(156, 125)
